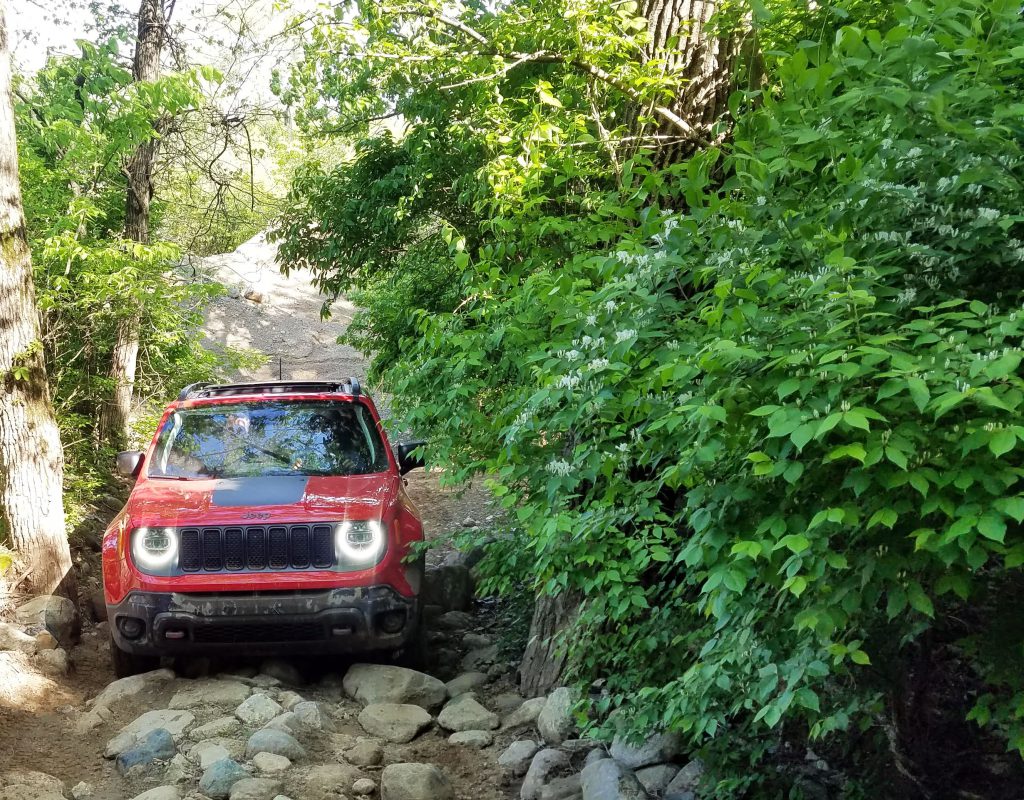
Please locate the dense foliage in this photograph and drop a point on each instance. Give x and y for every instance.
(761, 407)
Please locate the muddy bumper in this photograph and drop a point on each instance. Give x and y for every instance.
(263, 623)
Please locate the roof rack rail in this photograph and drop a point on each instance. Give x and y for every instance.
(198, 390)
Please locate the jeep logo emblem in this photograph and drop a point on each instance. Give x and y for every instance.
(256, 515)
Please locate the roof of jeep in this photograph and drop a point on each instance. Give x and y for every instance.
(204, 391)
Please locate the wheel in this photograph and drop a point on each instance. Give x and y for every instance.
(126, 664)
(415, 653)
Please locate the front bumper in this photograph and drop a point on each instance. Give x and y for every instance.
(351, 620)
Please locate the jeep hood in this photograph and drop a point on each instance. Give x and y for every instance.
(290, 498)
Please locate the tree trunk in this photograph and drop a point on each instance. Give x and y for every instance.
(113, 423)
(31, 461)
(546, 658)
(700, 61)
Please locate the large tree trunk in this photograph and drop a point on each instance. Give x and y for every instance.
(113, 424)
(31, 462)
(546, 655)
(700, 62)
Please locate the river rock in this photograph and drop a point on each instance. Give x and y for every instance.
(14, 638)
(313, 715)
(454, 621)
(55, 613)
(450, 587)
(544, 768)
(477, 739)
(364, 787)
(284, 671)
(154, 748)
(257, 710)
(222, 726)
(395, 722)
(255, 789)
(466, 682)
(381, 683)
(364, 753)
(686, 782)
(567, 788)
(160, 793)
(219, 777)
(607, 779)
(53, 662)
(210, 694)
(656, 749)
(270, 740)
(517, 756)
(655, 779)
(289, 699)
(174, 722)
(526, 714)
(481, 660)
(555, 721)
(270, 763)
(130, 686)
(414, 782)
(324, 782)
(21, 784)
(208, 752)
(464, 713)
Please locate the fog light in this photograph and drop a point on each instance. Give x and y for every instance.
(391, 621)
(130, 627)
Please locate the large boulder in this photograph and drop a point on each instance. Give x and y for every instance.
(395, 722)
(272, 740)
(686, 782)
(555, 721)
(156, 748)
(414, 782)
(55, 613)
(544, 768)
(210, 694)
(23, 784)
(607, 779)
(449, 587)
(218, 778)
(380, 683)
(464, 713)
(654, 779)
(466, 682)
(130, 686)
(655, 749)
(173, 721)
(567, 788)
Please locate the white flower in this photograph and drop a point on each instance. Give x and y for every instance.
(591, 320)
(907, 296)
(624, 335)
(610, 306)
(622, 447)
(559, 467)
(572, 355)
(570, 381)
(987, 214)
(597, 364)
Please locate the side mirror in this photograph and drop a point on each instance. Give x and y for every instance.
(129, 463)
(406, 460)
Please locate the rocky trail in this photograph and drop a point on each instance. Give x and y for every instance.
(303, 729)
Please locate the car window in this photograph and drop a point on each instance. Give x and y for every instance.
(296, 437)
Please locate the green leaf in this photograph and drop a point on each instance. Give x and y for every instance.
(1002, 441)
(918, 392)
(992, 526)
(795, 541)
(860, 657)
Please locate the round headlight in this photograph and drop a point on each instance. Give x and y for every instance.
(154, 548)
(360, 540)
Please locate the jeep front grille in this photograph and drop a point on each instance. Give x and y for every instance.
(272, 547)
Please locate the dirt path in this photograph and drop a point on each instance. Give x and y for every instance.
(48, 720)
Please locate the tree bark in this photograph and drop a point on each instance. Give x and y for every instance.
(31, 461)
(114, 416)
(546, 655)
(699, 61)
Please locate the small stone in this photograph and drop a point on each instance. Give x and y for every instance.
(364, 753)
(656, 749)
(469, 522)
(175, 722)
(223, 726)
(477, 739)
(210, 693)
(567, 788)
(269, 740)
(555, 721)
(269, 763)
(45, 641)
(284, 671)
(55, 613)
(156, 746)
(81, 791)
(517, 756)
(313, 715)
(219, 777)
(578, 745)
(287, 722)
(466, 682)
(477, 641)
(363, 787)
(324, 782)
(454, 621)
(289, 699)
(481, 659)
(414, 782)
(526, 714)
(53, 662)
(543, 769)
(464, 713)
(257, 710)
(177, 770)
(504, 703)
(23, 784)
(395, 722)
(656, 778)
(208, 752)
(160, 793)
(255, 789)
(381, 683)
(254, 296)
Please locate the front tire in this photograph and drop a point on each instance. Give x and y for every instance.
(127, 664)
(415, 654)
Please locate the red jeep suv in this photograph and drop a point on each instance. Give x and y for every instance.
(266, 518)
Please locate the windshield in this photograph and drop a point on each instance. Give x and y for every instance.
(244, 440)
